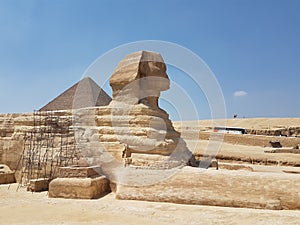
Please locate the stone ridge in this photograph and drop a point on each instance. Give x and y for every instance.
(221, 188)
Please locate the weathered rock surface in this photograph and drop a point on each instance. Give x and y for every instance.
(136, 66)
(83, 188)
(79, 182)
(38, 185)
(79, 172)
(221, 188)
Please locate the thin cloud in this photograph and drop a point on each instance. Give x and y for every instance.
(240, 93)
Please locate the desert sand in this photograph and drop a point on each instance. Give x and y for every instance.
(22, 207)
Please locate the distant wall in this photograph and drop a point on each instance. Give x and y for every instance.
(247, 139)
(288, 132)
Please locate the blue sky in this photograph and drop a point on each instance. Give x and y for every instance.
(252, 46)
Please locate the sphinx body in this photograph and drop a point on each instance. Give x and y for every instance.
(133, 128)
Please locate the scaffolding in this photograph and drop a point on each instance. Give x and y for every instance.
(49, 145)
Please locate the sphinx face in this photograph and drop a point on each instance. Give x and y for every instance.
(159, 79)
(139, 78)
(152, 80)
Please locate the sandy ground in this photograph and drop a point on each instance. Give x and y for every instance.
(22, 207)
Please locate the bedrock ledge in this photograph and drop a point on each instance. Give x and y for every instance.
(221, 188)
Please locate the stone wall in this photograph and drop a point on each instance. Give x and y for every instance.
(14, 126)
(12, 129)
(288, 132)
(245, 139)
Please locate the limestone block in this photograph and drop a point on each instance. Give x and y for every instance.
(6, 175)
(24, 120)
(79, 172)
(221, 188)
(155, 161)
(117, 150)
(7, 178)
(82, 188)
(38, 185)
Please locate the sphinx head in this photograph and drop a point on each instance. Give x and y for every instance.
(140, 76)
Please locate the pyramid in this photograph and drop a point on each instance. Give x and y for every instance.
(85, 93)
